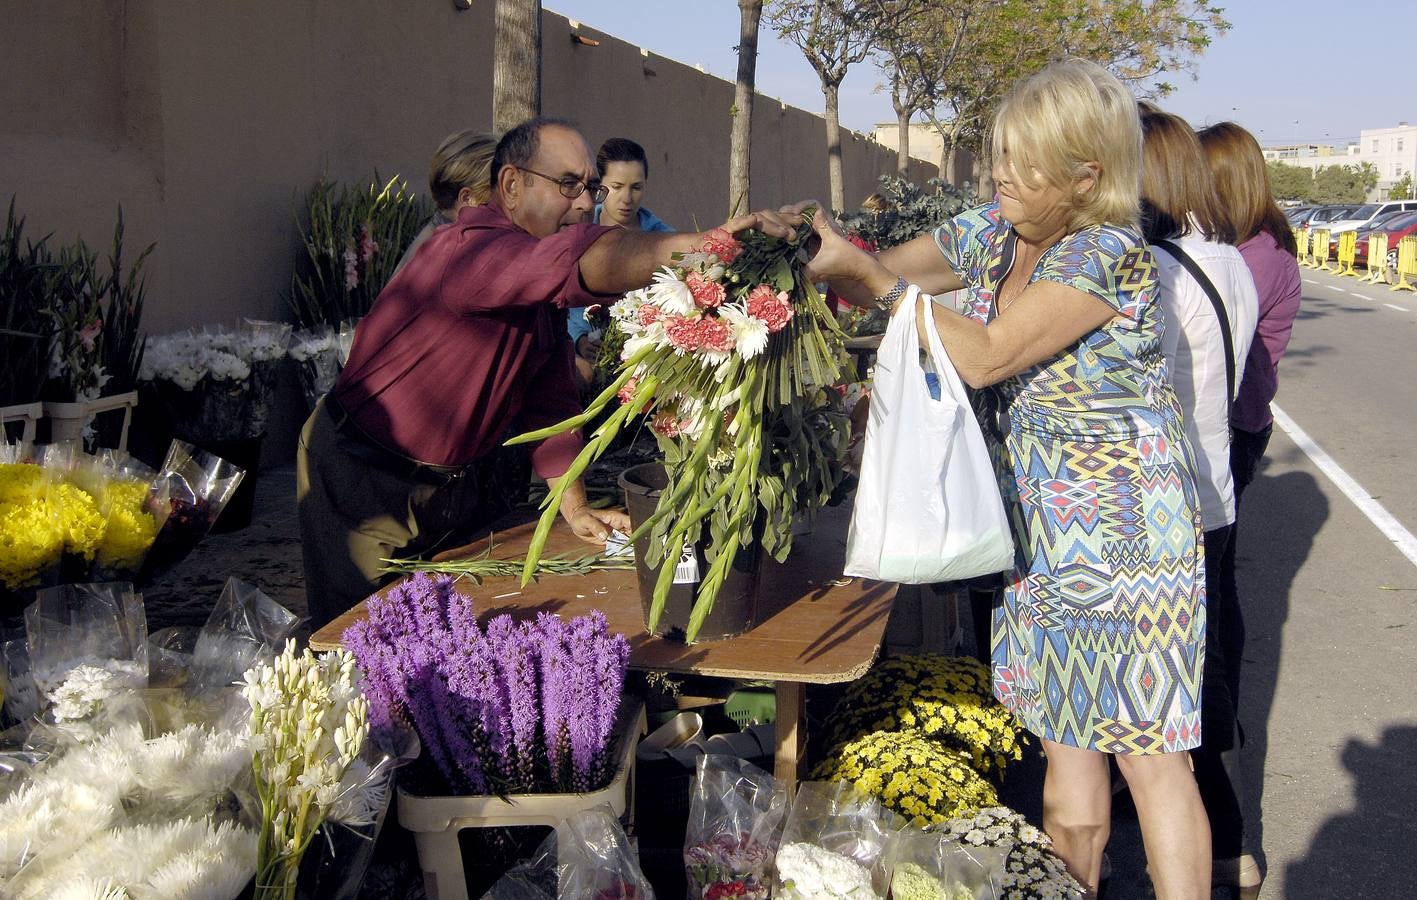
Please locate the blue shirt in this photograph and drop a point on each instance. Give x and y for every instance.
(576, 322)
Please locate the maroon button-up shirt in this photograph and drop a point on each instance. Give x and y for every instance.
(467, 344)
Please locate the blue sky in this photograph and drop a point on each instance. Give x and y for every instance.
(1288, 69)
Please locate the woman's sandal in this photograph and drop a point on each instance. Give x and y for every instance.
(1242, 872)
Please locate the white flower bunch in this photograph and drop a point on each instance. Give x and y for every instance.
(308, 724)
(188, 859)
(1031, 868)
(808, 872)
(91, 696)
(187, 357)
(310, 344)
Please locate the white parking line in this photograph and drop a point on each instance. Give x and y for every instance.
(1392, 529)
(1398, 308)
(1311, 281)
(1339, 289)
(1361, 296)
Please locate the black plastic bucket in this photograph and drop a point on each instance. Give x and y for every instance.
(736, 608)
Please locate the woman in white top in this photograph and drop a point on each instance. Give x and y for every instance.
(1180, 207)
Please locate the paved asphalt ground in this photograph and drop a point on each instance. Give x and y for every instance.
(1330, 680)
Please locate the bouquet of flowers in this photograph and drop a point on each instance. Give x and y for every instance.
(321, 352)
(587, 857)
(308, 723)
(931, 866)
(736, 814)
(944, 698)
(513, 707)
(1031, 870)
(732, 353)
(216, 385)
(189, 493)
(836, 844)
(913, 775)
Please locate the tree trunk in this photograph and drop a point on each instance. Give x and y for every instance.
(740, 147)
(834, 176)
(516, 65)
(902, 152)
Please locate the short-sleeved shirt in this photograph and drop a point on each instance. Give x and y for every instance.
(1112, 384)
(468, 343)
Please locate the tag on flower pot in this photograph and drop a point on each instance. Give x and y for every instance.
(687, 572)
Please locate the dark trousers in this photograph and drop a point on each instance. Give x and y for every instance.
(359, 505)
(1217, 761)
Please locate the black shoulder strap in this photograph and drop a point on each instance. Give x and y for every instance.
(1199, 275)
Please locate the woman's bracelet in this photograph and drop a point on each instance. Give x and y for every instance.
(890, 298)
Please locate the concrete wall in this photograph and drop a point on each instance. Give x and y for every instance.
(206, 122)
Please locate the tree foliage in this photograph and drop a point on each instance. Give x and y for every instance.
(976, 51)
(1343, 184)
(1401, 188)
(1290, 182)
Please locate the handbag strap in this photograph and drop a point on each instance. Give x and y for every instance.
(1199, 275)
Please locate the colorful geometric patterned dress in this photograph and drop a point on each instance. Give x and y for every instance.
(1099, 641)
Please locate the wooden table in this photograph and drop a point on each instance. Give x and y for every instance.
(816, 627)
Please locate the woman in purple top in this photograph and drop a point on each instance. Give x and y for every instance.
(1267, 244)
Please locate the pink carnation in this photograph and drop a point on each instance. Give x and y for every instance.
(773, 309)
(667, 424)
(647, 315)
(627, 393)
(723, 245)
(707, 294)
(683, 333)
(715, 334)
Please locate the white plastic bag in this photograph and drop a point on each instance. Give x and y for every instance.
(928, 506)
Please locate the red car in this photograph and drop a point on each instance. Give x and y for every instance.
(1396, 228)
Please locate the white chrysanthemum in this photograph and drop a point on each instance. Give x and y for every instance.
(85, 888)
(671, 294)
(750, 335)
(225, 366)
(308, 347)
(624, 309)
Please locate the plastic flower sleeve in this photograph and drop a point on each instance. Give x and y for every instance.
(927, 866)
(245, 627)
(339, 857)
(595, 860)
(736, 815)
(534, 879)
(191, 490)
(836, 844)
(316, 352)
(266, 342)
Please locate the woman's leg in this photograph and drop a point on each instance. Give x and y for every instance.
(1173, 823)
(1077, 808)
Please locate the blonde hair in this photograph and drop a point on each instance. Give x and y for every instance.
(1072, 113)
(463, 160)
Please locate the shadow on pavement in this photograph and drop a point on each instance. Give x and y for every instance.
(1279, 519)
(1357, 854)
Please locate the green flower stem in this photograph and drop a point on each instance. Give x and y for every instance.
(745, 501)
(627, 372)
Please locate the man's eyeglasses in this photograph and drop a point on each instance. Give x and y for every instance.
(572, 187)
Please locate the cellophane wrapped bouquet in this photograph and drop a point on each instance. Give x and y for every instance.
(216, 385)
(929, 866)
(733, 355)
(189, 493)
(736, 815)
(66, 515)
(127, 777)
(321, 352)
(509, 707)
(1029, 869)
(837, 844)
(587, 857)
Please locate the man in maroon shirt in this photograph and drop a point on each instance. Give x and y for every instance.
(466, 346)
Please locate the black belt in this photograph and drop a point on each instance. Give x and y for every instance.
(371, 451)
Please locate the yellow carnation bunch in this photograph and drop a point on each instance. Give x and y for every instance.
(946, 698)
(130, 529)
(917, 777)
(80, 521)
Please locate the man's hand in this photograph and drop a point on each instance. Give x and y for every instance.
(590, 525)
(767, 221)
(594, 525)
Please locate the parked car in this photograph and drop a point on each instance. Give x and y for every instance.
(1374, 225)
(1367, 212)
(1397, 228)
(1320, 216)
(1296, 213)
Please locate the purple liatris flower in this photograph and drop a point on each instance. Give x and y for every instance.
(519, 660)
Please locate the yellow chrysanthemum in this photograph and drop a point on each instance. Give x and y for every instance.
(131, 528)
(941, 786)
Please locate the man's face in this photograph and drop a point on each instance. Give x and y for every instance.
(540, 206)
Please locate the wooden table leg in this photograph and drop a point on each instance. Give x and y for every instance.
(791, 732)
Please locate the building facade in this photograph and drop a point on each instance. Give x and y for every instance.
(1391, 151)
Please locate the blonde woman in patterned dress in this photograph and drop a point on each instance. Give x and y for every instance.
(1098, 643)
